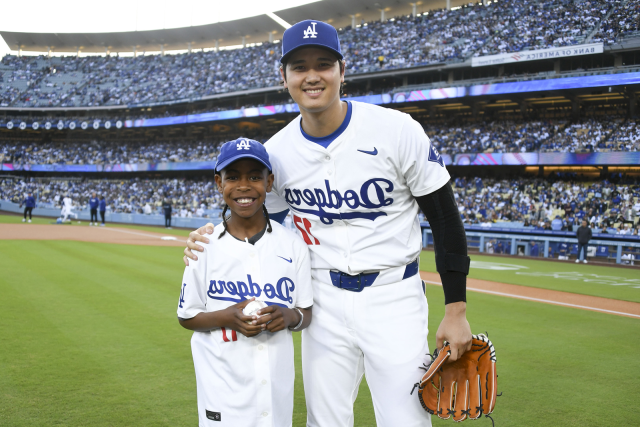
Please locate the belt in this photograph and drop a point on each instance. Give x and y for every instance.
(360, 281)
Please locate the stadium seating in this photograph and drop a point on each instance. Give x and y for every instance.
(439, 36)
(535, 202)
(529, 203)
(188, 197)
(589, 134)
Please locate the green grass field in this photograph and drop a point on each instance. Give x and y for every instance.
(14, 219)
(90, 338)
(596, 280)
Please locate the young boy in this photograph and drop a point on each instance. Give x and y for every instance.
(244, 364)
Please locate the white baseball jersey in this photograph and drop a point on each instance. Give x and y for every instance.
(354, 202)
(245, 381)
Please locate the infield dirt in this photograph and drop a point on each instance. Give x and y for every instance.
(86, 234)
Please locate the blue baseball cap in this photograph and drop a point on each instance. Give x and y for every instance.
(242, 148)
(310, 33)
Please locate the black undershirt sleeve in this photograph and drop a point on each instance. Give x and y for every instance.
(450, 242)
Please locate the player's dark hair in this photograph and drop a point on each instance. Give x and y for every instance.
(224, 220)
(266, 215)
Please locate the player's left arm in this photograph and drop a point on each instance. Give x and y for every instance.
(452, 262)
(426, 176)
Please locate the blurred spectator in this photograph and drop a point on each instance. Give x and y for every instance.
(584, 235)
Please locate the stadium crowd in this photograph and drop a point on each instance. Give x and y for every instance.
(550, 204)
(623, 21)
(605, 133)
(533, 203)
(590, 134)
(400, 42)
(188, 197)
(107, 152)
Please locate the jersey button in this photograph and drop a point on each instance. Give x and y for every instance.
(329, 171)
(260, 347)
(264, 382)
(264, 414)
(327, 158)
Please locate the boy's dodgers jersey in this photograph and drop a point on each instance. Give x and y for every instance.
(354, 202)
(245, 381)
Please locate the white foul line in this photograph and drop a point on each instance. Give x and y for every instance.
(546, 301)
(131, 232)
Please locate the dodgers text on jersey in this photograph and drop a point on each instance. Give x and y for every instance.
(238, 291)
(370, 196)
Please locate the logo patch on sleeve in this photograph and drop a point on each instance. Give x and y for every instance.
(434, 156)
(214, 416)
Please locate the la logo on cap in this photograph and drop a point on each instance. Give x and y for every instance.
(243, 144)
(310, 32)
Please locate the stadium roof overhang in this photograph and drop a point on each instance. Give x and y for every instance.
(254, 29)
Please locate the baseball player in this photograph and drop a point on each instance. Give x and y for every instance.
(245, 371)
(354, 176)
(94, 202)
(103, 210)
(67, 205)
(29, 203)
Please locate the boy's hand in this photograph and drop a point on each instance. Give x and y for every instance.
(233, 318)
(275, 318)
(196, 236)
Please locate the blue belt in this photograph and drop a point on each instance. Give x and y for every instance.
(360, 281)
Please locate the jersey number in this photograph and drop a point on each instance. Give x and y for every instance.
(227, 337)
(309, 238)
(184, 285)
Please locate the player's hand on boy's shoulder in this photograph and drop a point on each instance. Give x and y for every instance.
(198, 235)
(232, 317)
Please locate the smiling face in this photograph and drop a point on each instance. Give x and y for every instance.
(244, 186)
(313, 76)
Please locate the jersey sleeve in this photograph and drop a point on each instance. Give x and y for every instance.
(193, 298)
(275, 203)
(420, 162)
(304, 294)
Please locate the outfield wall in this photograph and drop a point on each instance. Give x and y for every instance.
(110, 217)
(545, 244)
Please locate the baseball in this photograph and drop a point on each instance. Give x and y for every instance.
(252, 308)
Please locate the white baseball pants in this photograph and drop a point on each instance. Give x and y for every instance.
(380, 332)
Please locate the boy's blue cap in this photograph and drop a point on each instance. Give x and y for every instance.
(310, 33)
(242, 148)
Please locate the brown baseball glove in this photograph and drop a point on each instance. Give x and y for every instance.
(464, 388)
